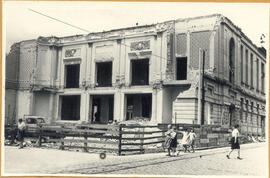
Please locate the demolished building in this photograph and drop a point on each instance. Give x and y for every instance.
(149, 71)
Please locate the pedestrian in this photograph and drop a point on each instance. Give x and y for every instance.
(21, 130)
(185, 141)
(192, 137)
(235, 142)
(171, 140)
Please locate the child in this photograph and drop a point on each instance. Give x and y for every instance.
(185, 140)
(171, 140)
(192, 137)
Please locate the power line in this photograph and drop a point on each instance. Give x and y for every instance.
(124, 44)
(60, 21)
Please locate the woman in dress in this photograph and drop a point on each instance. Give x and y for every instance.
(235, 142)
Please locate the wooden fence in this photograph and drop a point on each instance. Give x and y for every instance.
(121, 139)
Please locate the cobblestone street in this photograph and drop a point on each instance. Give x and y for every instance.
(204, 162)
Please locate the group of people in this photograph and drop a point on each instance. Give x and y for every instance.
(187, 142)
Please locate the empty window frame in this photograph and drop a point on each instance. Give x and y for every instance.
(138, 105)
(70, 107)
(140, 72)
(231, 60)
(181, 68)
(242, 64)
(262, 77)
(104, 74)
(251, 70)
(72, 76)
(246, 66)
(257, 74)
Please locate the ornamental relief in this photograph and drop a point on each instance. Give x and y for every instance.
(141, 45)
(73, 52)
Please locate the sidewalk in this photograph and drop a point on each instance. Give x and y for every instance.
(37, 161)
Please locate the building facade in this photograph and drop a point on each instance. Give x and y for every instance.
(150, 71)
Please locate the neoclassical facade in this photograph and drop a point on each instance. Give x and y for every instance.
(153, 71)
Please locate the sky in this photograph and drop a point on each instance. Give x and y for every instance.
(20, 23)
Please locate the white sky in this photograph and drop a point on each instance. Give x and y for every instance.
(19, 23)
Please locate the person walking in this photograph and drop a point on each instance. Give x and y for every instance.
(21, 130)
(185, 139)
(192, 137)
(184, 142)
(235, 142)
(171, 140)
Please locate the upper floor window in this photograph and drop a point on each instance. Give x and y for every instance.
(181, 68)
(257, 74)
(231, 60)
(251, 70)
(246, 66)
(72, 75)
(140, 72)
(262, 77)
(241, 64)
(104, 74)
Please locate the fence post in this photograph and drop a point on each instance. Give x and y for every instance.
(141, 141)
(85, 143)
(40, 136)
(120, 139)
(61, 139)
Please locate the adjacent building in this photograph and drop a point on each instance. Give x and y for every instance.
(153, 71)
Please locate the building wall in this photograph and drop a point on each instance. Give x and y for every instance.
(43, 65)
(10, 106)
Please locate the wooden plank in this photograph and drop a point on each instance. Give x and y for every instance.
(89, 131)
(98, 126)
(149, 143)
(89, 141)
(140, 126)
(97, 148)
(90, 136)
(145, 132)
(132, 149)
(144, 138)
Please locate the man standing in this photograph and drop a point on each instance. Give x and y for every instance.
(21, 130)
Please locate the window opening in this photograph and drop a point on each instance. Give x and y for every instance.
(102, 109)
(72, 76)
(181, 73)
(140, 72)
(70, 109)
(104, 74)
(138, 105)
(231, 60)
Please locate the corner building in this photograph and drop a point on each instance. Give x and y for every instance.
(147, 71)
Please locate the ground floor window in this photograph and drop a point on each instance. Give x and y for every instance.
(70, 107)
(138, 105)
(102, 108)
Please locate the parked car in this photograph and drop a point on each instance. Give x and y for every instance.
(33, 124)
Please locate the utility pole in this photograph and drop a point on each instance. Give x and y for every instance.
(203, 90)
(201, 95)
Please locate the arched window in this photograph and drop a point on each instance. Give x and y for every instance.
(231, 60)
